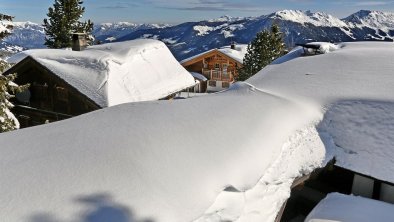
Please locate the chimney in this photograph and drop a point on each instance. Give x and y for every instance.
(79, 41)
(233, 45)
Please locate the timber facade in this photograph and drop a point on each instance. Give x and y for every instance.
(49, 98)
(220, 69)
(307, 191)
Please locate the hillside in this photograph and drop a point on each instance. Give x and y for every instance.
(190, 38)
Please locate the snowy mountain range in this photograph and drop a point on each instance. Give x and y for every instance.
(188, 39)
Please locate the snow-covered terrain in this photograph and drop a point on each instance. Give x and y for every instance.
(229, 156)
(116, 73)
(109, 32)
(308, 17)
(339, 207)
(354, 86)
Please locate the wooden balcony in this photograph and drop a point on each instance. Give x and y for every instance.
(218, 75)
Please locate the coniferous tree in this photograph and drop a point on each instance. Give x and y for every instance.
(63, 20)
(265, 48)
(8, 121)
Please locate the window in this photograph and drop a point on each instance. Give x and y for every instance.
(212, 83)
(387, 193)
(362, 186)
(39, 91)
(217, 66)
(225, 66)
(24, 121)
(225, 84)
(61, 94)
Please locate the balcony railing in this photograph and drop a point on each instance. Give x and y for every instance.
(219, 75)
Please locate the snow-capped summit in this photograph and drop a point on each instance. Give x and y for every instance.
(226, 18)
(315, 18)
(28, 25)
(191, 38)
(111, 31)
(371, 19)
(26, 35)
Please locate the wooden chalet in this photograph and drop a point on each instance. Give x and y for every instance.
(49, 98)
(65, 83)
(219, 66)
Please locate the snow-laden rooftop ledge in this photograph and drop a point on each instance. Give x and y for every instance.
(116, 73)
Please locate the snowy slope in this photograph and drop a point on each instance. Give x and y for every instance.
(109, 32)
(315, 18)
(115, 73)
(373, 19)
(339, 207)
(27, 35)
(354, 86)
(230, 156)
(32, 36)
(157, 160)
(191, 38)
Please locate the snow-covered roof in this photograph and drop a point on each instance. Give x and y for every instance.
(340, 207)
(237, 161)
(116, 73)
(155, 159)
(237, 54)
(198, 76)
(353, 85)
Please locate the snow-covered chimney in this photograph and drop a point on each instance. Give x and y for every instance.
(233, 45)
(79, 41)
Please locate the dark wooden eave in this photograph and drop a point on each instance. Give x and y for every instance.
(28, 59)
(299, 181)
(208, 54)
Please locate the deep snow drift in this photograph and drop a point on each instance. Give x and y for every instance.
(354, 86)
(116, 73)
(165, 161)
(230, 156)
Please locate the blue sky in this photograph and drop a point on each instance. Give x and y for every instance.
(177, 11)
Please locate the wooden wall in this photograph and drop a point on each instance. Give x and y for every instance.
(52, 98)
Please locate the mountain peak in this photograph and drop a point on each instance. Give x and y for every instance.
(226, 18)
(372, 19)
(314, 18)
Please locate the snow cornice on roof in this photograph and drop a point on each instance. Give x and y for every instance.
(115, 73)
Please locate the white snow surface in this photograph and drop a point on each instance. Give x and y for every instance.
(340, 207)
(116, 73)
(157, 161)
(198, 76)
(237, 54)
(315, 18)
(353, 86)
(373, 19)
(229, 156)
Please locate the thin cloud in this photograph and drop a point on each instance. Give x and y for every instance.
(372, 3)
(215, 5)
(119, 5)
(201, 8)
